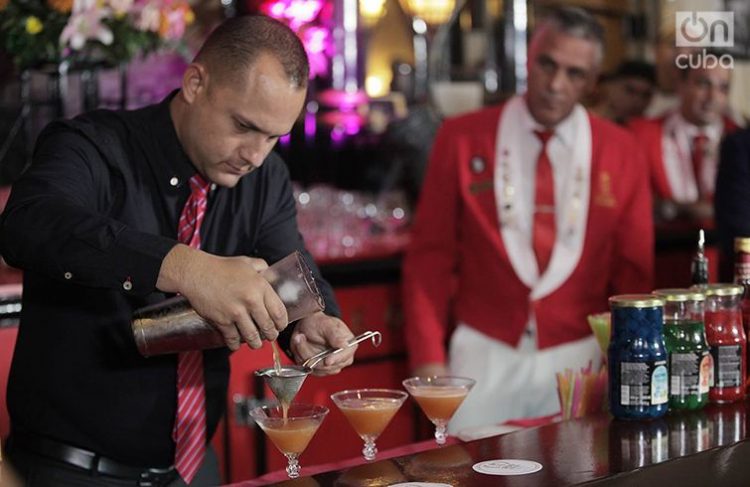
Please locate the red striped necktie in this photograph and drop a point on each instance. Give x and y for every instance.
(543, 233)
(190, 424)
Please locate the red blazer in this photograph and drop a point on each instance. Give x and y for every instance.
(649, 132)
(457, 269)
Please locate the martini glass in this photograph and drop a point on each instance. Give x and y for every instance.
(439, 398)
(369, 411)
(292, 434)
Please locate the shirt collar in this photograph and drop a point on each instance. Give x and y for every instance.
(712, 131)
(175, 168)
(563, 131)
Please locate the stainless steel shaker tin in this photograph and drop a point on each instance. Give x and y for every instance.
(172, 326)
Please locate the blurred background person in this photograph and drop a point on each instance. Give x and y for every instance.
(626, 93)
(665, 97)
(532, 214)
(731, 200)
(682, 146)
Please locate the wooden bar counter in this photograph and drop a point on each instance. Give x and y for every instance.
(703, 448)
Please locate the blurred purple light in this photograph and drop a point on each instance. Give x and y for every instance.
(303, 16)
(343, 100)
(310, 125)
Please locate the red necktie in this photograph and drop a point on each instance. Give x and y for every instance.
(190, 424)
(698, 156)
(543, 233)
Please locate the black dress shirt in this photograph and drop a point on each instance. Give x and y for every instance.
(90, 223)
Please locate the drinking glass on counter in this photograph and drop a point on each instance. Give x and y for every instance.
(369, 411)
(339, 223)
(290, 432)
(439, 398)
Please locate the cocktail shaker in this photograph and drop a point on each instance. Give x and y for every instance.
(173, 326)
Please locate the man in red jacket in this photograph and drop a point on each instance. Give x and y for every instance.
(682, 146)
(532, 214)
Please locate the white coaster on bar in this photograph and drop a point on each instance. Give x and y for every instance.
(507, 466)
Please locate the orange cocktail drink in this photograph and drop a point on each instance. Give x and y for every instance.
(369, 411)
(439, 403)
(369, 417)
(439, 398)
(290, 434)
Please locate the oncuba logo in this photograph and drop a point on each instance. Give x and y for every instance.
(712, 29)
(704, 29)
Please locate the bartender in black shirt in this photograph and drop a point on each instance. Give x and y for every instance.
(94, 222)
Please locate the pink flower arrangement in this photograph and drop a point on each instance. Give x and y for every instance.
(40, 32)
(86, 24)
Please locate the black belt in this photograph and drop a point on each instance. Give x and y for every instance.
(90, 461)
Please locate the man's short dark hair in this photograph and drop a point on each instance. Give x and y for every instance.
(235, 44)
(575, 22)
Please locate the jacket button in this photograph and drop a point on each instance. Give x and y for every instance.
(68, 275)
(127, 285)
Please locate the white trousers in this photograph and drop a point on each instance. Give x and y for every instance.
(512, 382)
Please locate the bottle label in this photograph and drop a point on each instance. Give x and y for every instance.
(742, 271)
(643, 383)
(707, 372)
(727, 365)
(688, 374)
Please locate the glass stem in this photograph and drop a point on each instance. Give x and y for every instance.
(292, 469)
(369, 451)
(440, 435)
